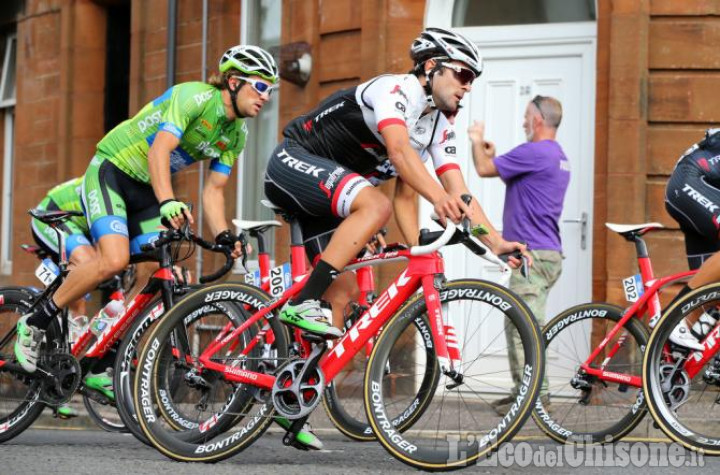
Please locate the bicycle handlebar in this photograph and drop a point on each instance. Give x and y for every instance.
(185, 233)
(443, 239)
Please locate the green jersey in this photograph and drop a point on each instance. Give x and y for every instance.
(194, 113)
(67, 198)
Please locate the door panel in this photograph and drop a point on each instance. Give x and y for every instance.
(512, 76)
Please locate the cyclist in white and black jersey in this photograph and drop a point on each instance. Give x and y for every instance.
(327, 165)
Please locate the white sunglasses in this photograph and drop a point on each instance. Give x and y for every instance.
(259, 86)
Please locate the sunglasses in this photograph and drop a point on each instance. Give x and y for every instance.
(537, 102)
(259, 86)
(464, 75)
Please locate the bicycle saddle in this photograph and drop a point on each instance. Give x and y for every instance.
(53, 217)
(255, 226)
(628, 231)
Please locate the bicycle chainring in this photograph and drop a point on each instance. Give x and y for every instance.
(292, 397)
(63, 379)
(678, 390)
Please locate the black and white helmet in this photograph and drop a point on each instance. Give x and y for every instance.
(250, 60)
(439, 43)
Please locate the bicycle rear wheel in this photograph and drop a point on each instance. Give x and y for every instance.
(229, 416)
(105, 415)
(686, 406)
(20, 403)
(599, 411)
(458, 425)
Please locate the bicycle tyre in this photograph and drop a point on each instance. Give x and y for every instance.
(14, 302)
(553, 419)
(122, 369)
(106, 423)
(688, 431)
(202, 446)
(354, 424)
(409, 447)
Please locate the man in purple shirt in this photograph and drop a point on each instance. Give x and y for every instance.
(536, 174)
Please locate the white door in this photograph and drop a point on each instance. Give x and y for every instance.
(520, 63)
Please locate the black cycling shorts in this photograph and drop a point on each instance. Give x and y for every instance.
(320, 192)
(695, 205)
(115, 203)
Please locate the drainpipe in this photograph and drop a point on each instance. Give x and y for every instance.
(201, 176)
(172, 26)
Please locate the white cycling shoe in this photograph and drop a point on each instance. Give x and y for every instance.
(681, 336)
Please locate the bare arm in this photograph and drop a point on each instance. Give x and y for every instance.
(483, 152)
(159, 165)
(214, 206)
(412, 171)
(405, 205)
(454, 183)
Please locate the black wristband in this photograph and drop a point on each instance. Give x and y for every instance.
(164, 202)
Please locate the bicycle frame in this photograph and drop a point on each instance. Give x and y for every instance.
(114, 333)
(365, 281)
(647, 304)
(420, 273)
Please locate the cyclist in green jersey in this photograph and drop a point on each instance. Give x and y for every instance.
(78, 248)
(65, 197)
(127, 187)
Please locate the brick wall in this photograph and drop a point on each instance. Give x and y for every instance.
(60, 63)
(657, 82)
(351, 41)
(60, 90)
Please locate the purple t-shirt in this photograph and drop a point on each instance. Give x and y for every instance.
(536, 175)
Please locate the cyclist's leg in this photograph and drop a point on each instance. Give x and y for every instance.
(700, 225)
(78, 247)
(316, 188)
(143, 226)
(106, 213)
(343, 290)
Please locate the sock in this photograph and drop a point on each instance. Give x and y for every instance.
(318, 282)
(43, 315)
(685, 290)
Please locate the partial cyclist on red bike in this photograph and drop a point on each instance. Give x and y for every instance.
(326, 168)
(692, 198)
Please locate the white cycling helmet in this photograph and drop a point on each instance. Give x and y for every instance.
(250, 60)
(438, 43)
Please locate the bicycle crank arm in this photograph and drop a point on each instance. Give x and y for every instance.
(292, 432)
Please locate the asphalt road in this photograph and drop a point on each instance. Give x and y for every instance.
(95, 452)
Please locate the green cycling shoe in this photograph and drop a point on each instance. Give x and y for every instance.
(310, 317)
(102, 383)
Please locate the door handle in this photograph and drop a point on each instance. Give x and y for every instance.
(583, 220)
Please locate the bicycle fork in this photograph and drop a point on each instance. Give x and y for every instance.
(444, 337)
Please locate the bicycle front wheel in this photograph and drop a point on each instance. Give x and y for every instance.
(227, 417)
(20, 401)
(577, 407)
(683, 393)
(459, 423)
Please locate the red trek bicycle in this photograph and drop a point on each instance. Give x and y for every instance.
(428, 409)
